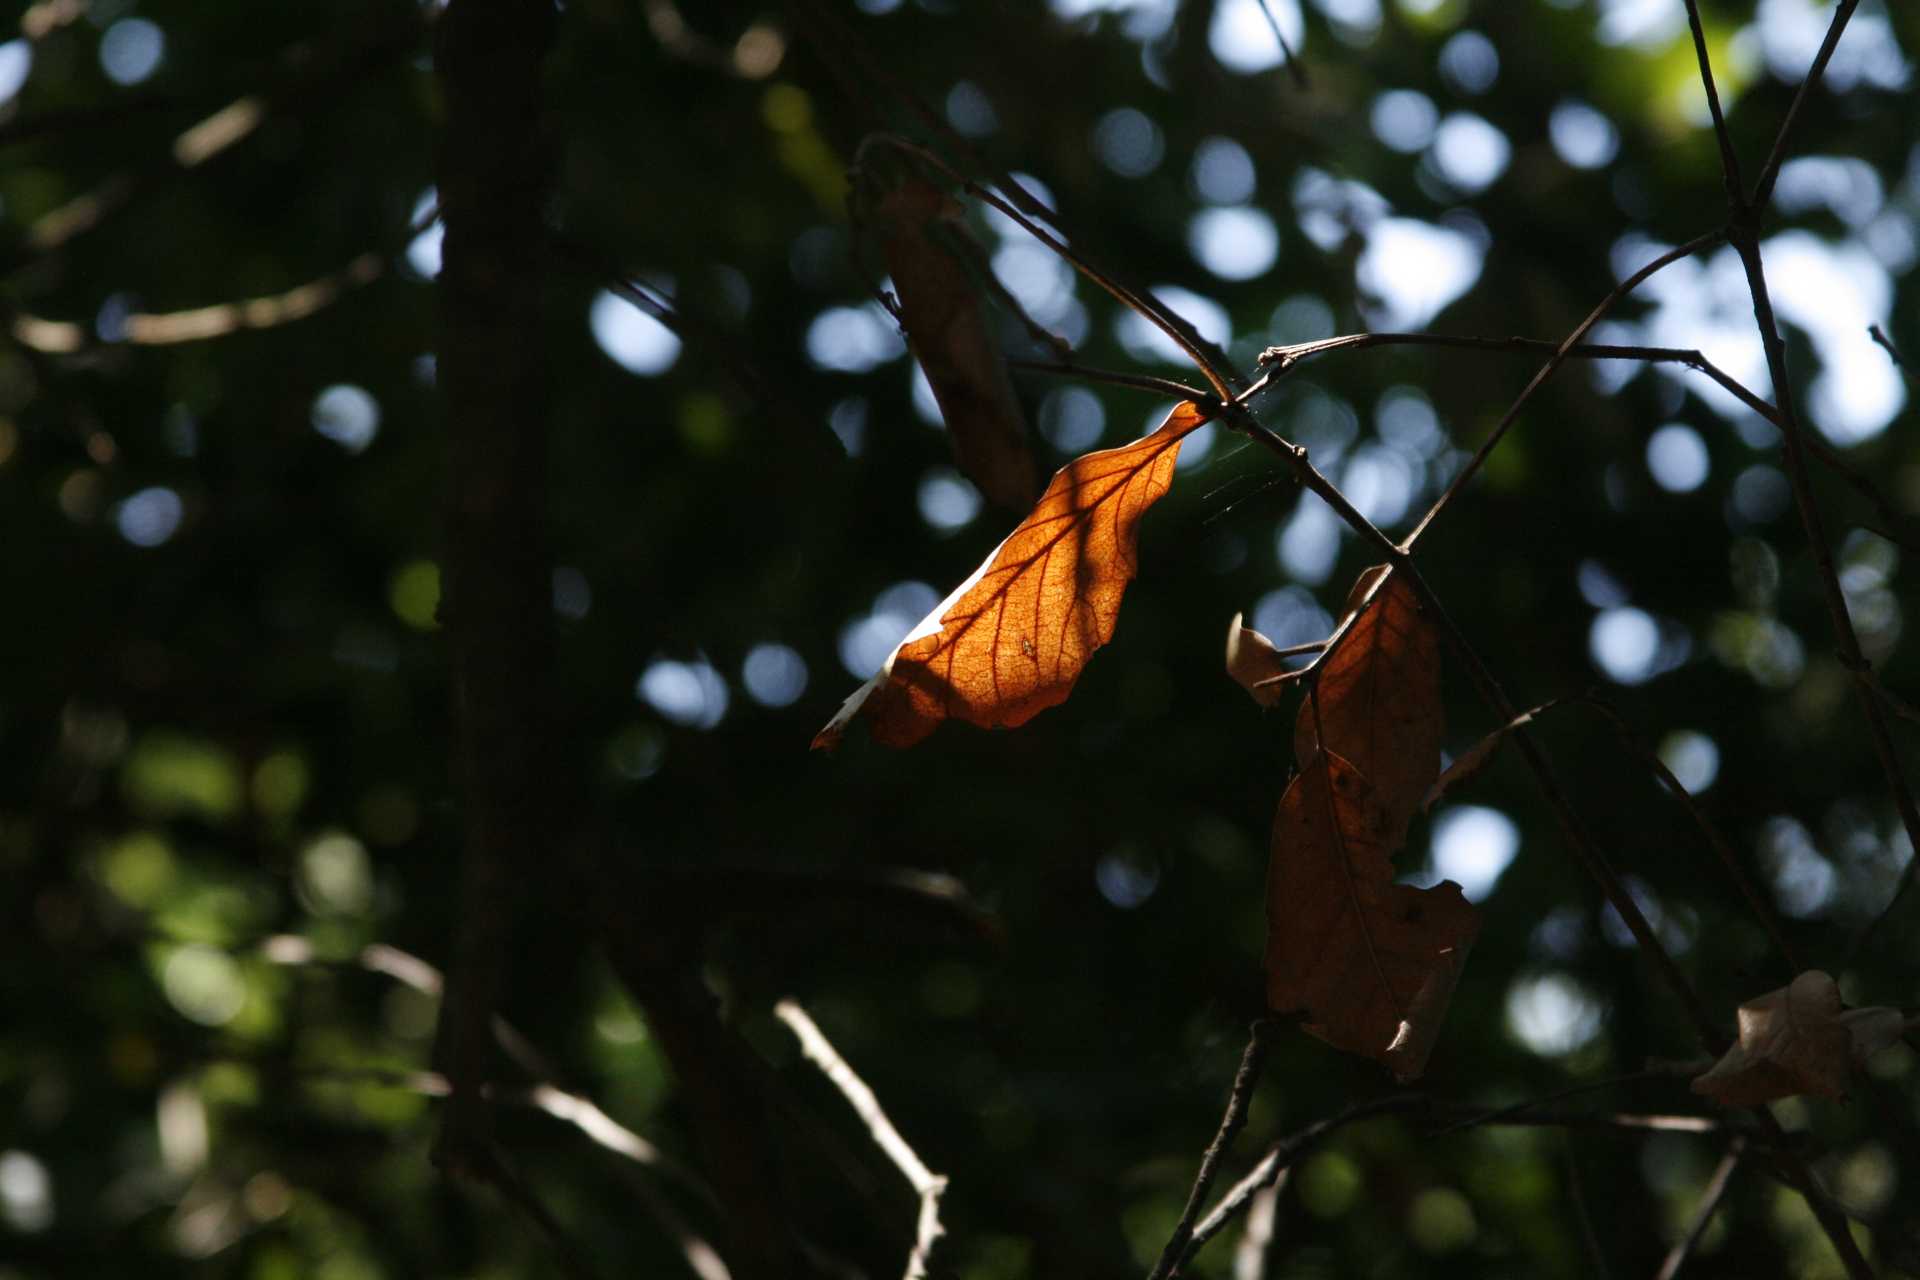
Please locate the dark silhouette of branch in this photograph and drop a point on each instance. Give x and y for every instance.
(1582, 1216)
(719, 1078)
(1134, 381)
(1744, 235)
(1763, 189)
(1287, 56)
(1704, 1211)
(492, 175)
(1690, 357)
(1211, 362)
(1281, 1156)
(1700, 242)
(1231, 1122)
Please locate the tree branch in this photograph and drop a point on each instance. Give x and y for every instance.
(493, 172)
(1231, 1122)
(927, 1185)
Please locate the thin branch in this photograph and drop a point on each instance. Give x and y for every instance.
(1763, 189)
(1286, 357)
(199, 324)
(1497, 1114)
(1620, 291)
(1729, 159)
(1885, 343)
(1211, 364)
(1256, 1238)
(1709, 1199)
(1133, 381)
(1729, 861)
(929, 1186)
(1281, 1156)
(1287, 55)
(1743, 234)
(1583, 1218)
(1231, 1122)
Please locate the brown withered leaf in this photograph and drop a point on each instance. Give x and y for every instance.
(1255, 663)
(1798, 1039)
(1372, 964)
(1012, 639)
(926, 243)
(1379, 698)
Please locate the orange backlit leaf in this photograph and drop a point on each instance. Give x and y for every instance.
(1798, 1039)
(933, 260)
(1012, 639)
(1371, 963)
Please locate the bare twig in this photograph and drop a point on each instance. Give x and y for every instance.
(1763, 189)
(1281, 1156)
(1211, 363)
(1743, 235)
(927, 1185)
(1583, 1218)
(1134, 381)
(1885, 343)
(1729, 159)
(1294, 66)
(1625, 287)
(1286, 357)
(1709, 1199)
(1231, 1122)
(1729, 860)
(198, 324)
(1256, 1238)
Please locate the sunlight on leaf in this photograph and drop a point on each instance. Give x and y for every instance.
(1012, 639)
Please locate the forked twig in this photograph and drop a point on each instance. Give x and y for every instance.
(1231, 1122)
(1743, 234)
(927, 1185)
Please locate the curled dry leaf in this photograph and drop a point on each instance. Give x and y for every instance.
(1798, 1039)
(1255, 663)
(1012, 639)
(1372, 964)
(933, 259)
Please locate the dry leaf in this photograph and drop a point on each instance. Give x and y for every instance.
(1379, 698)
(1371, 963)
(927, 246)
(1012, 639)
(1798, 1039)
(1255, 662)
